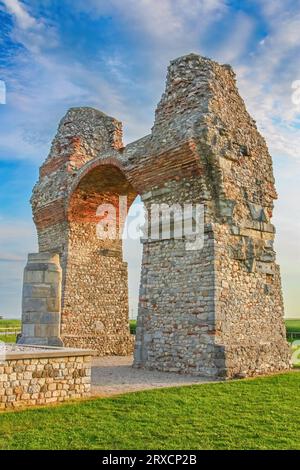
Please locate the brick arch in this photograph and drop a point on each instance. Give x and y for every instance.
(88, 168)
(95, 286)
(98, 181)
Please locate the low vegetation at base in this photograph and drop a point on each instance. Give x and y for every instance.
(9, 329)
(132, 326)
(292, 326)
(262, 413)
(10, 323)
(8, 338)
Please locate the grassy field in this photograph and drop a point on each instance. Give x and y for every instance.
(292, 325)
(8, 323)
(259, 413)
(132, 325)
(8, 338)
(11, 324)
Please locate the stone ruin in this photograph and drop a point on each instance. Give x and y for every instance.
(217, 311)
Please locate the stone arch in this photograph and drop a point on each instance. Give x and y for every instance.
(205, 312)
(95, 280)
(87, 168)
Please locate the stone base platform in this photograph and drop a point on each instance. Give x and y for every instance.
(34, 375)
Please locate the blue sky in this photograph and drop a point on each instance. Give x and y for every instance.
(113, 55)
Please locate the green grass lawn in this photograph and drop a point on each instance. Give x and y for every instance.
(10, 323)
(259, 413)
(132, 325)
(292, 325)
(10, 337)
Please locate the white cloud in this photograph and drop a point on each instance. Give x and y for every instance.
(159, 19)
(235, 45)
(265, 80)
(23, 18)
(164, 29)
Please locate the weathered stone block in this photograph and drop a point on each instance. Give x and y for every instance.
(46, 330)
(33, 276)
(52, 277)
(265, 268)
(41, 304)
(227, 207)
(53, 304)
(257, 212)
(27, 329)
(34, 305)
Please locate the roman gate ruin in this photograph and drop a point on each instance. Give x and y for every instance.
(215, 311)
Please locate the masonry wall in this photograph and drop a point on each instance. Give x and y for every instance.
(95, 307)
(95, 291)
(244, 315)
(249, 308)
(94, 285)
(175, 330)
(41, 302)
(176, 320)
(27, 381)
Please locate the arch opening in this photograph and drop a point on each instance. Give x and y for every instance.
(95, 311)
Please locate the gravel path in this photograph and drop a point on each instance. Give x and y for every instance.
(114, 375)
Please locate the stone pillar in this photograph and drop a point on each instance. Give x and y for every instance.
(41, 306)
